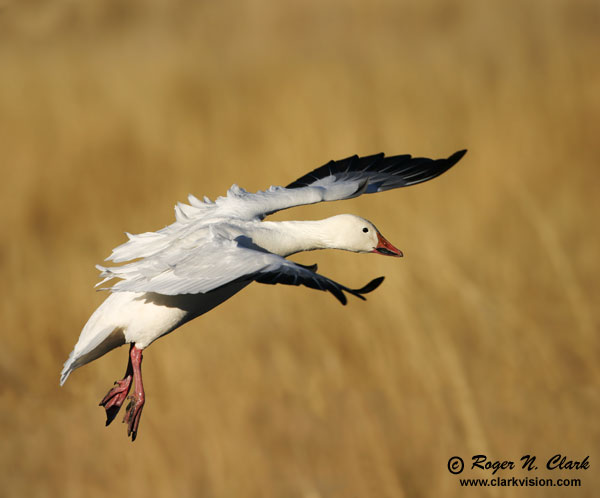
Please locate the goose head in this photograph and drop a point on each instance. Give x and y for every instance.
(353, 233)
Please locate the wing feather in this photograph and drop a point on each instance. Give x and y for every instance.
(348, 178)
(218, 262)
(383, 173)
(334, 181)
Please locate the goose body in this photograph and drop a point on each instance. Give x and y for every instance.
(215, 249)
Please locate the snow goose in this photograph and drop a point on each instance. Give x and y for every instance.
(215, 249)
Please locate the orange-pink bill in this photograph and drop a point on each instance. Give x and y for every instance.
(386, 248)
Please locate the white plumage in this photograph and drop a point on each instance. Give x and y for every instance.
(215, 249)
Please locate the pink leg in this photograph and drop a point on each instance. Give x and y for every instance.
(116, 396)
(137, 400)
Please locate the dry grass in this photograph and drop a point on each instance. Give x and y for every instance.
(484, 339)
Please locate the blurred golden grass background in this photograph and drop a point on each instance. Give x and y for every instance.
(483, 339)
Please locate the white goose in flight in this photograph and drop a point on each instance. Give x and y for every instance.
(215, 249)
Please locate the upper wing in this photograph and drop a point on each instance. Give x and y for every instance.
(348, 178)
(334, 181)
(217, 261)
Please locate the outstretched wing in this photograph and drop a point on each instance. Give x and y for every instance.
(216, 262)
(348, 178)
(336, 180)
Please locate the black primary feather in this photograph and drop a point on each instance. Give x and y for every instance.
(307, 277)
(382, 173)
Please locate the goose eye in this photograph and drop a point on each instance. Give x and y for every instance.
(365, 229)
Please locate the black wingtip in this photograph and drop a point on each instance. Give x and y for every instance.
(312, 268)
(340, 296)
(435, 167)
(371, 286)
(457, 156)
